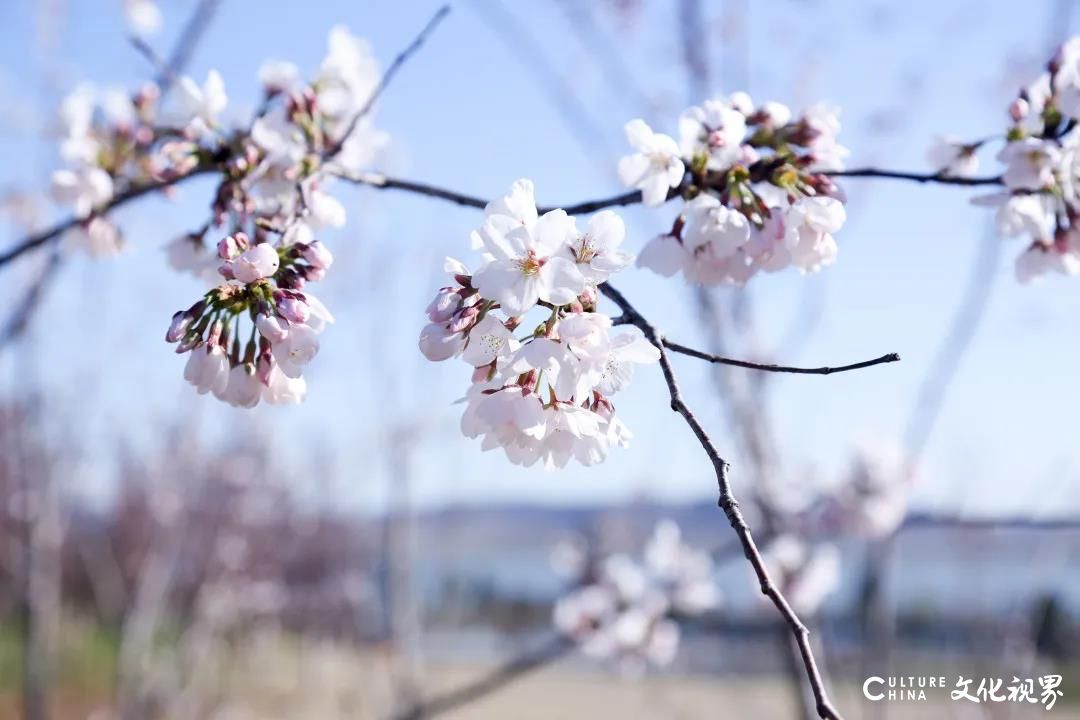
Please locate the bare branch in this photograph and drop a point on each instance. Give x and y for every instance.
(730, 506)
(20, 317)
(553, 650)
(768, 367)
(168, 72)
(382, 182)
(384, 81)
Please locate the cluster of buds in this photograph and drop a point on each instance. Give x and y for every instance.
(279, 169)
(1041, 175)
(265, 283)
(870, 502)
(108, 141)
(626, 609)
(754, 185)
(272, 199)
(546, 396)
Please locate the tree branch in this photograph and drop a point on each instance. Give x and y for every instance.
(938, 178)
(730, 506)
(387, 76)
(554, 649)
(132, 193)
(768, 367)
(380, 181)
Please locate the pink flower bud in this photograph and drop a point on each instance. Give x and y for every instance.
(438, 344)
(228, 247)
(442, 308)
(293, 309)
(463, 320)
(1018, 109)
(263, 368)
(318, 255)
(181, 321)
(256, 263)
(189, 341)
(273, 327)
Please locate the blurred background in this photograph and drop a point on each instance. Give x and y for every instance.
(164, 555)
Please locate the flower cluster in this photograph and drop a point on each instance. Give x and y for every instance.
(754, 185)
(1041, 157)
(544, 396)
(264, 281)
(272, 200)
(107, 142)
(624, 612)
(282, 166)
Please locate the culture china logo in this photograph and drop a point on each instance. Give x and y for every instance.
(1044, 690)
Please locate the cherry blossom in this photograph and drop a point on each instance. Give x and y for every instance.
(952, 158)
(1041, 170)
(206, 102)
(655, 167)
(623, 613)
(543, 398)
(142, 16)
(757, 199)
(83, 189)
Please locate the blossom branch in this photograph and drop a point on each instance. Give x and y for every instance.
(379, 181)
(730, 506)
(553, 650)
(134, 192)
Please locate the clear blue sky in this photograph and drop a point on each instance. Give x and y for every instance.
(473, 112)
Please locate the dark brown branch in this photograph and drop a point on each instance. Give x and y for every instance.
(937, 177)
(553, 650)
(768, 367)
(382, 182)
(730, 506)
(384, 81)
(132, 193)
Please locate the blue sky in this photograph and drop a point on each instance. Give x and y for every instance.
(474, 110)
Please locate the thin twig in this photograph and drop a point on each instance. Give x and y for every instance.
(384, 81)
(553, 650)
(20, 317)
(730, 506)
(768, 367)
(132, 193)
(938, 178)
(382, 182)
(168, 72)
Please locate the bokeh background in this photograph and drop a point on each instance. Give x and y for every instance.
(168, 556)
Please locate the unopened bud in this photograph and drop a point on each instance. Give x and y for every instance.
(292, 308)
(463, 320)
(181, 321)
(444, 305)
(1018, 109)
(318, 255)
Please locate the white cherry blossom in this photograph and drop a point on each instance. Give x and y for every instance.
(655, 167)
